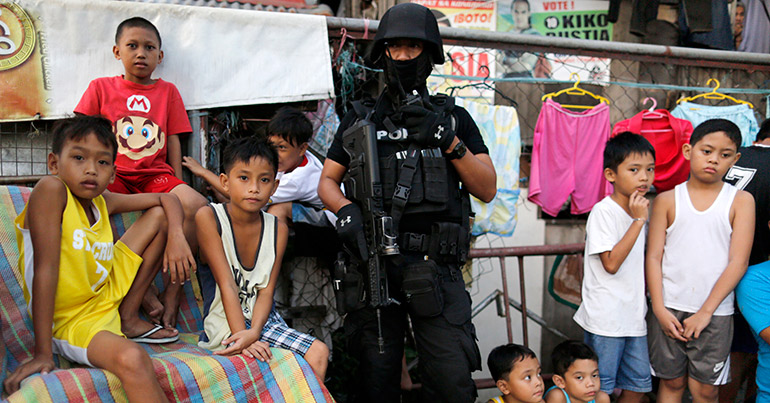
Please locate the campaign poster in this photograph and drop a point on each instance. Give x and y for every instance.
(577, 19)
(464, 61)
(22, 75)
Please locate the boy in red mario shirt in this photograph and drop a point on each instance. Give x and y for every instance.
(148, 116)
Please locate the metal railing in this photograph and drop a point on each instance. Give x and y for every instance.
(519, 252)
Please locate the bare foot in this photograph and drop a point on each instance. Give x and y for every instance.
(138, 328)
(170, 298)
(151, 305)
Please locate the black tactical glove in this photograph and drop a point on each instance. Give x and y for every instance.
(350, 229)
(427, 128)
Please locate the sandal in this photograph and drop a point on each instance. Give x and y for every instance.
(145, 338)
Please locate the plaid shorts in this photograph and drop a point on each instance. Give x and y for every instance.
(278, 334)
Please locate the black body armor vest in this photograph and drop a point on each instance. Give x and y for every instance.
(434, 192)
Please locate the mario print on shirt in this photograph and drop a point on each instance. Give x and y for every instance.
(139, 137)
(144, 117)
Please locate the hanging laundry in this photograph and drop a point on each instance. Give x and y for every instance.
(756, 27)
(720, 33)
(325, 123)
(667, 134)
(742, 115)
(499, 127)
(567, 157)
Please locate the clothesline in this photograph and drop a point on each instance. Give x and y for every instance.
(651, 86)
(727, 90)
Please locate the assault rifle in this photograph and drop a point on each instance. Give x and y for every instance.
(363, 185)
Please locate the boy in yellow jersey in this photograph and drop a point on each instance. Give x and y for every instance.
(83, 291)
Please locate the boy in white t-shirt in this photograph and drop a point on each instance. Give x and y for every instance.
(613, 309)
(299, 171)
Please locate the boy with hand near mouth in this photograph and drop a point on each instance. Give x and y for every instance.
(614, 304)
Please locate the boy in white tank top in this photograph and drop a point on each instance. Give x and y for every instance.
(296, 198)
(698, 249)
(242, 248)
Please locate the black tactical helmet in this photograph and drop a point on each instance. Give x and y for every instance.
(412, 21)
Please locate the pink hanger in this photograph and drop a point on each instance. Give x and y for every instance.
(650, 113)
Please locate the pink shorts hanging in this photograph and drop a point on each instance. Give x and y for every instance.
(567, 158)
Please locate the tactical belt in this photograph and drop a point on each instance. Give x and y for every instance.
(444, 243)
(414, 242)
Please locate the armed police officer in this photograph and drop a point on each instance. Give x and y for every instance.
(405, 218)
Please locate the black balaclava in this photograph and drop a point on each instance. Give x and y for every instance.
(408, 75)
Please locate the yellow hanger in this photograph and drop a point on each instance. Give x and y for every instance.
(575, 90)
(714, 95)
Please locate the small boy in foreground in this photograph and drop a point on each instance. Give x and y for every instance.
(242, 247)
(614, 304)
(575, 375)
(516, 372)
(698, 249)
(148, 117)
(298, 171)
(84, 293)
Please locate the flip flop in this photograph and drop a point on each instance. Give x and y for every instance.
(145, 338)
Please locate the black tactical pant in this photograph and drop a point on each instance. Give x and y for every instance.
(446, 344)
